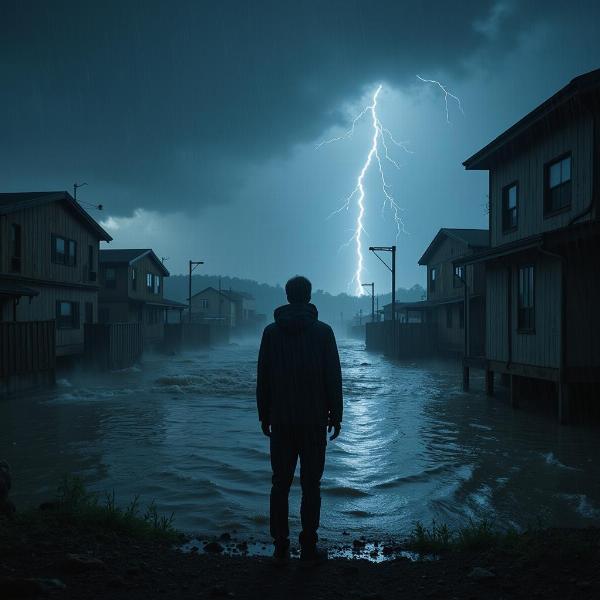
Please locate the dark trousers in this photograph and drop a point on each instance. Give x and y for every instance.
(288, 442)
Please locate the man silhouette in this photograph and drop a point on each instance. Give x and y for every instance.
(299, 396)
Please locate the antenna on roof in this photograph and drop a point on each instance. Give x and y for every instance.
(76, 186)
(163, 259)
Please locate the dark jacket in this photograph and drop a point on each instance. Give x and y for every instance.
(299, 379)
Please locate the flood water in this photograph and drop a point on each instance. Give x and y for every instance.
(183, 431)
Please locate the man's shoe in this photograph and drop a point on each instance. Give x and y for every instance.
(281, 555)
(311, 557)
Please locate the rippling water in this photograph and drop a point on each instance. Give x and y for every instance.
(183, 431)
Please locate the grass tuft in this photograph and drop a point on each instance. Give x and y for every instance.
(76, 505)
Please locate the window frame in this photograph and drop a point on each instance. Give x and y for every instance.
(150, 283)
(72, 321)
(134, 279)
(507, 228)
(65, 258)
(458, 276)
(432, 279)
(529, 326)
(548, 210)
(16, 248)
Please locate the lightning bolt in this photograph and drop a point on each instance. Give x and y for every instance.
(378, 152)
(447, 95)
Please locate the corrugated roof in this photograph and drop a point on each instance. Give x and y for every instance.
(472, 238)
(11, 202)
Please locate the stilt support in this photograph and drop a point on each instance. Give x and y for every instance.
(489, 382)
(465, 378)
(514, 391)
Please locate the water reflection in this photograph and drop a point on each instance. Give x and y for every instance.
(184, 431)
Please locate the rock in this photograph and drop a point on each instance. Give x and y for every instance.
(225, 537)
(214, 547)
(79, 563)
(479, 573)
(358, 544)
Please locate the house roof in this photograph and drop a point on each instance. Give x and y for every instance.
(12, 202)
(238, 295)
(210, 287)
(129, 256)
(582, 84)
(473, 239)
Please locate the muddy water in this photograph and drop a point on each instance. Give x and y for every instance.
(183, 431)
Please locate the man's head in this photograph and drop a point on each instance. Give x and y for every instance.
(298, 290)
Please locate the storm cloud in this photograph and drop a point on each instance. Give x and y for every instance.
(174, 103)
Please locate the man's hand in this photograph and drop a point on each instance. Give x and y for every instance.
(266, 428)
(334, 426)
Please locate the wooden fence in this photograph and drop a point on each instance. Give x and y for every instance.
(27, 347)
(113, 345)
(412, 340)
(27, 355)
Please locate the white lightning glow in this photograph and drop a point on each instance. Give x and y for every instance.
(447, 95)
(378, 151)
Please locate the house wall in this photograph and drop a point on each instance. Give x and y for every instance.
(527, 167)
(450, 339)
(447, 286)
(227, 311)
(542, 346)
(53, 282)
(144, 265)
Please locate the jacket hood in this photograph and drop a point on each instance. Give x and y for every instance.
(294, 318)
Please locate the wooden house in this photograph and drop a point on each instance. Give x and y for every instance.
(542, 273)
(443, 310)
(213, 305)
(48, 264)
(132, 291)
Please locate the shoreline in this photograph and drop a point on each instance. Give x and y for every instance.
(46, 552)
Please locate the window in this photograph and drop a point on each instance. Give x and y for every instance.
(110, 278)
(432, 278)
(204, 304)
(89, 312)
(526, 308)
(449, 316)
(157, 284)
(133, 278)
(15, 248)
(510, 217)
(67, 315)
(459, 275)
(64, 251)
(150, 282)
(461, 315)
(558, 185)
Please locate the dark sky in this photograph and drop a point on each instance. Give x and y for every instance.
(195, 124)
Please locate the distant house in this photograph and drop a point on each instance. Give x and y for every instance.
(542, 274)
(446, 287)
(444, 307)
(211, 304)
(132, 291)
(48, 264)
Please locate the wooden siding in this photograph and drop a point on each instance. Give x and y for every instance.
(541, 347)
(228, 309)
(37, 227)
(527, 167)
(26, 348)
(144, 265)
(448, 251)
(496, 341)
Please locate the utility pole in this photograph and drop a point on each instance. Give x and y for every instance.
(193, 265)
(392, 268)
(372, 286)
